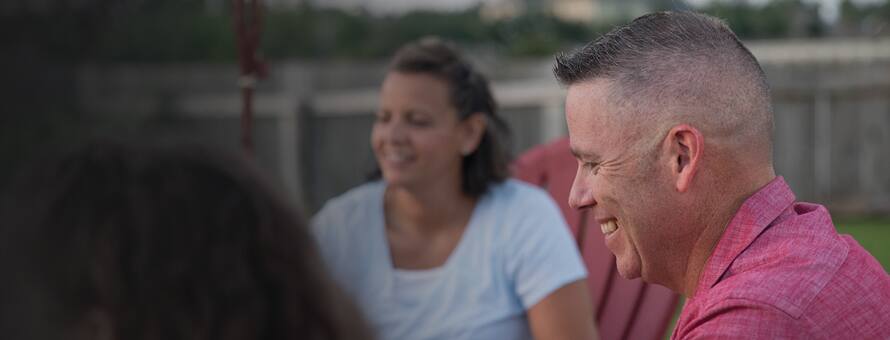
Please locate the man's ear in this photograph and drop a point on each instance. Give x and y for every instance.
(473, 128)
(684, 145)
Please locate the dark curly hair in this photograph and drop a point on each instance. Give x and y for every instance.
(162, 242)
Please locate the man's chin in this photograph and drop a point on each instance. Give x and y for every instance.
(628, 271)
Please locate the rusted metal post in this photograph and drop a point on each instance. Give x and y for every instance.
(248, 24)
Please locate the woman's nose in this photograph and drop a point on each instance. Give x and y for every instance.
(396, 132)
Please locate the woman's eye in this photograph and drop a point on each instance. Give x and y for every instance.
(419, 121)
(381, 118)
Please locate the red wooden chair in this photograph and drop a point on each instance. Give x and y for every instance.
(625, 309)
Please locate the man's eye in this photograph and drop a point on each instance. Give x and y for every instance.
(591, 166)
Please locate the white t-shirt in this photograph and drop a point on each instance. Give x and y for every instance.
(515, 251)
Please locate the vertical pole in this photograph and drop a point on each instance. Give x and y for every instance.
(247, 30)
(288, 148)
(822, 143)
(553, 119)
(247, 119)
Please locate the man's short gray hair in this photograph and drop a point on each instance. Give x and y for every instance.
(678, 67)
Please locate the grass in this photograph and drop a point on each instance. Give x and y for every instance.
(873, 233)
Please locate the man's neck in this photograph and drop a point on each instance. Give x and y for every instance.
(703, 248)
(716, 225)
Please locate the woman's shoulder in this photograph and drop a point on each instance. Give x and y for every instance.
(356, 203)
(521, 208)
(362, 195)
(520, 194)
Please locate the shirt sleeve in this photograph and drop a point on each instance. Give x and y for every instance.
(745, 319)
(322, 230)
(542, 254)
(329, 227)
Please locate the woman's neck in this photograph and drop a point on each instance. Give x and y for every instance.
(425, 209)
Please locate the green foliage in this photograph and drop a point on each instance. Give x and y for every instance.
(186, 31)
(308, 32)
(539, 34)
(108, 30)
(166, 31)
(169, 37)
(864, 18)
(774, 19)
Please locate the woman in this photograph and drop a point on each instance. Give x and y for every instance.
(160, 242)
(444, 247)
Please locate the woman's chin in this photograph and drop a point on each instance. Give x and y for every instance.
(397, 180)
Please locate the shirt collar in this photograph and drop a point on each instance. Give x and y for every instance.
(755, 215)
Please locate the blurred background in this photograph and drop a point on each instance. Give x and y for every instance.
(130, 68)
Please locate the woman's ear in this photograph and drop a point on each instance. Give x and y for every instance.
(472, 130)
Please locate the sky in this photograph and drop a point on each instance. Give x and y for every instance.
(828, 8)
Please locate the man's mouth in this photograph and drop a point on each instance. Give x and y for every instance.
(609, 227)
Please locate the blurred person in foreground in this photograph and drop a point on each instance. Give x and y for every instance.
(151, 242)
(444, 246)
(670, 119)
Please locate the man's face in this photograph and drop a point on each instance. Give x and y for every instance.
(620, 184)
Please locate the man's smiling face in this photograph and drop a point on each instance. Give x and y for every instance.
(619, 183)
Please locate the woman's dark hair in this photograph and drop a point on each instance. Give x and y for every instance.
(162, 242)
(470, 94)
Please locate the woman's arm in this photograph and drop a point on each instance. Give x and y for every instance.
(564, 314)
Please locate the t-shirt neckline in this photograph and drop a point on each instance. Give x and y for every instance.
(465, 237)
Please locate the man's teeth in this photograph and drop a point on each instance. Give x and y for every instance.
(609, 227)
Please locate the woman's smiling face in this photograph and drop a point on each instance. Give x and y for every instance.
(417, 136)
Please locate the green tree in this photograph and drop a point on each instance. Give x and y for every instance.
(774, 19)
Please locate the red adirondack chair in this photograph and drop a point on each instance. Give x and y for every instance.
(625, 309)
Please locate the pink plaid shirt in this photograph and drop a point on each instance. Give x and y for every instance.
(781, 271)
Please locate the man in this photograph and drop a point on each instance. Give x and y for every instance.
(670, 120)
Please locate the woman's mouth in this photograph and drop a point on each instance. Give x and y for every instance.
(397, 158)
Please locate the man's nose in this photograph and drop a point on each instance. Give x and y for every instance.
(581, 195)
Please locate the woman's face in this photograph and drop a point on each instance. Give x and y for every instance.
(417, 137)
